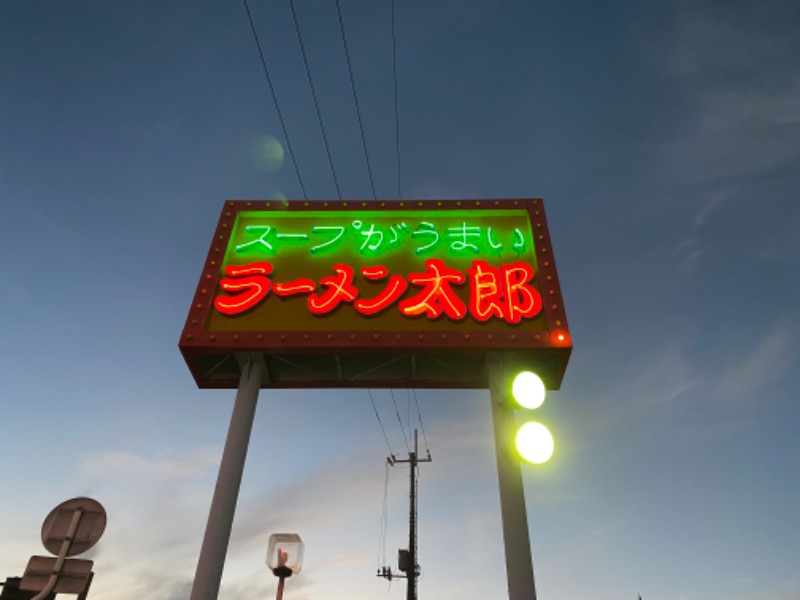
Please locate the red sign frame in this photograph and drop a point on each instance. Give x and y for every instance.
(319, 352)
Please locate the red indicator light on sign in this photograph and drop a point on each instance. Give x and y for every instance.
(560, 338)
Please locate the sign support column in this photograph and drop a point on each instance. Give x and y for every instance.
(223, 506)
(519, 563)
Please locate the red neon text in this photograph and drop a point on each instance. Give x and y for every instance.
(249, 282)
(503, 292)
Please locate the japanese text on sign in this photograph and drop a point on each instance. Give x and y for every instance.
(503, 292)
(374, 239)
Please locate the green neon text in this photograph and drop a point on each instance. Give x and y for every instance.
(423, 238)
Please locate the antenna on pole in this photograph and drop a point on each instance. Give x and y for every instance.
(407, 559)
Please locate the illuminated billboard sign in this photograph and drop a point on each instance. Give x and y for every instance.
(382, 289)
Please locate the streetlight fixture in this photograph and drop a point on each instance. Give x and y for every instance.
(534, 441)
(284, 557)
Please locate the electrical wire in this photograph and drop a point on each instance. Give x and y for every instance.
(421, 424)
(408, 412)
(399, 420)
(355, 97)
(314, 94)
(275, 99)
(383, 429)
(384, 519)
(416, 516)
(396, 110)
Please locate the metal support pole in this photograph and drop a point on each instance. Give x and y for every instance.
(519, 563)
(223, 506)
(62, 555)
(279, 594)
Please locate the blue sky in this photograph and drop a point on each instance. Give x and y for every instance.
(663, 138)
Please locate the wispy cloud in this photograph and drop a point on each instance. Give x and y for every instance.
(669, 375)
(742, 114)
(712, 204)
(688, 254)
(772, 356)
(125, 463)
(158, 507)
(650, 380)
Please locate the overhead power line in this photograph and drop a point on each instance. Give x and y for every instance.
(399, 420)
(383, 429)
(314, 94)
(396, 110)
(355, 97)
(421, 425)
(275, 99)
(384, 517)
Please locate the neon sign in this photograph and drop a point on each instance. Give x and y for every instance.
(501, 292)
(376, 239)
(429, 264)
(377, 283)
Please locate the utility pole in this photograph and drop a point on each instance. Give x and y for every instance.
(408, 558)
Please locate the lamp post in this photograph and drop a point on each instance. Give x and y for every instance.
(284, 557)
(534, 443)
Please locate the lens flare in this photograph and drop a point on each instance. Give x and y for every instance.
(268, 154)
(535, 443)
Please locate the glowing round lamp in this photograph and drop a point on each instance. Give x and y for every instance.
(528, 390)
(535, 443)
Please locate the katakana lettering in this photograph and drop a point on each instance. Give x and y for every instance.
(261, 241)
(505, 292)
(296, 286)
(338, 232)
(391, 293)
(294, 237)
(250, 281)
(340, 289)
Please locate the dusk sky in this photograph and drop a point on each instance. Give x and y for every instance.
(664, 138)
